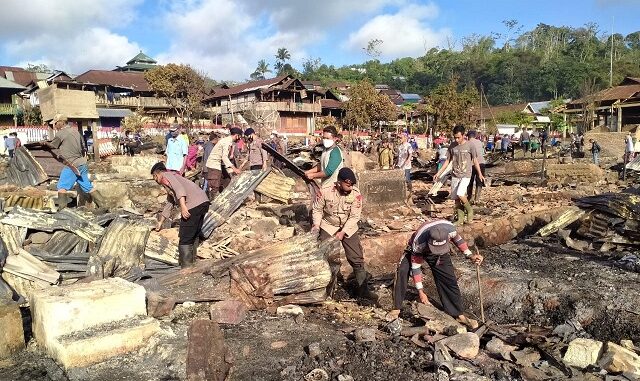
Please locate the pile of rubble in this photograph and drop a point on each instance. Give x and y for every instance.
(607, 223)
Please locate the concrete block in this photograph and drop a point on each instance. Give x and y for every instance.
(582, 353)
(228, 312)
(617, 359)
(87, 323)
(58, 311)
(11, 331)
(102, 342)
(382, 188)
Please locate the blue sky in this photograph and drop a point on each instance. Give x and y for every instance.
(226, 38)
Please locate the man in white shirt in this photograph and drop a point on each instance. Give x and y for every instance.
(176, 152)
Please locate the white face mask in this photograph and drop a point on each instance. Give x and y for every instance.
(327, 143)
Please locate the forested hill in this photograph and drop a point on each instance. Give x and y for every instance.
(545, 63)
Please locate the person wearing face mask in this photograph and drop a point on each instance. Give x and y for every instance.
(331, 160)
(336, 212)
(219, 165)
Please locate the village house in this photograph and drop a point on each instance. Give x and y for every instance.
(611, 108)
(14, 80)
(282, 103)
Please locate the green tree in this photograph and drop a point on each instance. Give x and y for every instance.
(518, 118)
(261, 70)
(367, 108)
(181, 86)
(452, 106)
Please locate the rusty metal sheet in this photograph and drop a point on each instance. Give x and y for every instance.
(24, 170)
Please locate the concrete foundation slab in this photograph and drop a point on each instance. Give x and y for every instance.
(102, 342)
(62, 315)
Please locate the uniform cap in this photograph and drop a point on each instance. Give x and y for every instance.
(59, 118)
(346, 174)
(249, 131)
(438, 240)
(235, 131)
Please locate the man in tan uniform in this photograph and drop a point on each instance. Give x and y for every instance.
(336, 212)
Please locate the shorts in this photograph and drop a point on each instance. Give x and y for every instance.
(459, 187)
(68, 179)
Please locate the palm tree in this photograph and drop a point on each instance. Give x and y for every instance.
(261, 70)
(283, 55)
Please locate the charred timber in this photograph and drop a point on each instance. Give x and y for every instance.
(295, 271)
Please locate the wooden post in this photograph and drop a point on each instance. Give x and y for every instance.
(619, 126)
(96, 143)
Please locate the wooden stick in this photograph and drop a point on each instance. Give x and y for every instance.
(480, 289)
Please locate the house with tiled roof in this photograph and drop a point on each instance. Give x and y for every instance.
(282, 103)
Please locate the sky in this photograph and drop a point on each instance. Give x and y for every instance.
(226, 38)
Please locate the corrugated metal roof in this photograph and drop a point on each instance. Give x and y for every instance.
(121, 79)
(114, 112)
(18, 75)
(537, 107)
(248, 87)
(7, 84)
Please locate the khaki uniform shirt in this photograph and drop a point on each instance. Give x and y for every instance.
(178, 187)
(220, 154)
(257, 155)
(334, 212)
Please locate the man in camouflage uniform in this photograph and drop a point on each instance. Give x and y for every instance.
(336, 212)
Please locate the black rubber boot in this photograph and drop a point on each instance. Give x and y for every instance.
(362, 289)
(194, 251)
(185, 255)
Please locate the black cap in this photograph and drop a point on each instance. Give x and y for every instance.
(249, 131)
(438, 240)
(159, 166)
(346, 174)
(235, 131)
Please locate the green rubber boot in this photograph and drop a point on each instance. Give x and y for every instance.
(460, 216)
(468, 208)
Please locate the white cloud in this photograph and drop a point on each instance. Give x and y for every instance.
(95, 48)
(71, 35)
(226, 38)
(404, 33)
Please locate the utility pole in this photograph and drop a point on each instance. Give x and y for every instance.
(611, 61)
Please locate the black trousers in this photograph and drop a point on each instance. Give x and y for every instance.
(352, 249)
(443, 276)
(475, 180)
(190, 228)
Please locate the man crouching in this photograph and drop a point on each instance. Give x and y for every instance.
(430, 243)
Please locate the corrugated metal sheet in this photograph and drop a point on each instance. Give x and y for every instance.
(64, 220)
(45, 159)
(64, 243)
(24, 170)
(634, 164)
(227, 202)
(128, 80)
(120, 251)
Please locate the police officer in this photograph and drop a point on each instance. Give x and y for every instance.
(336, 212)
